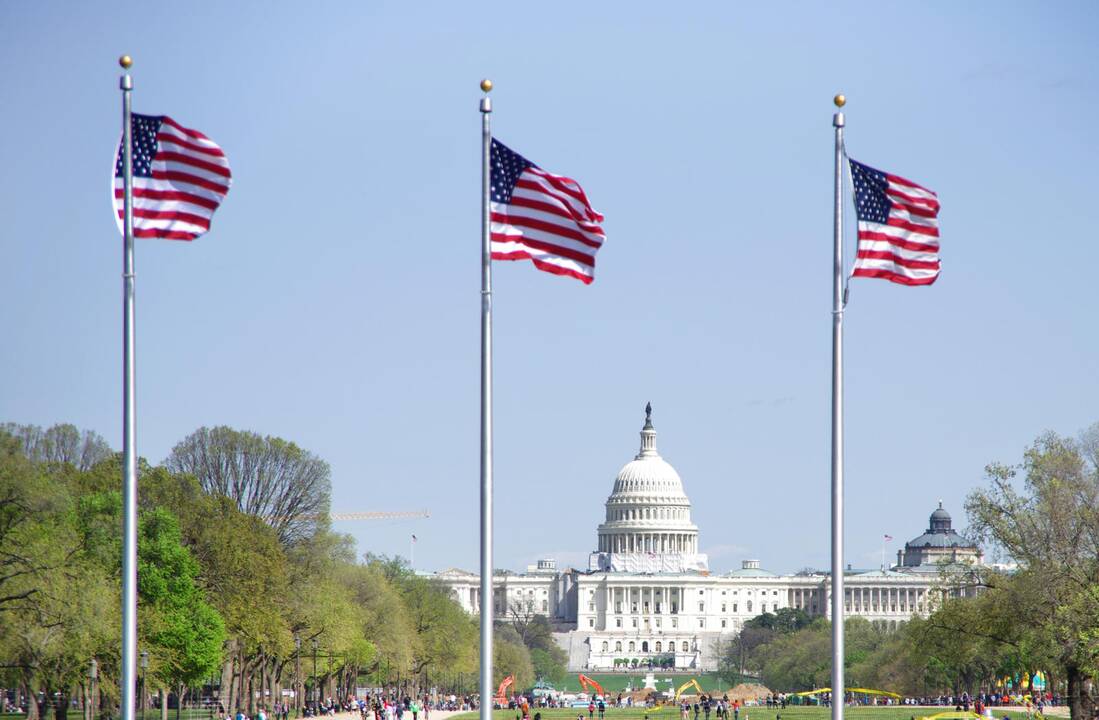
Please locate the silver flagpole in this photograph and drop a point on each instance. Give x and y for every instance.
(128, 677)
(837, 427)
(487, 598)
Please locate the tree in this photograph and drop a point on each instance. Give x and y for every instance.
(549, 666)
(511, 657)
(443, 631)
(782, 621)
(1050, 527)
(184, 632)
(26, 501)
(521, 612)
(60, 444)
(268, 477)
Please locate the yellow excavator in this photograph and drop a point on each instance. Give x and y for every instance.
(684, 686)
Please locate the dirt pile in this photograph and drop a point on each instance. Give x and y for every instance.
(748, 691)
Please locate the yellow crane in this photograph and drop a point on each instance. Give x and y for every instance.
(380, 515)
(686, 685)
(372, 515)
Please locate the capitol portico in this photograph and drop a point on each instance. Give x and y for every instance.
(647, 593)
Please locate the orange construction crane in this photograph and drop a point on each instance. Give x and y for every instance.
(588, 685)
(502, 699)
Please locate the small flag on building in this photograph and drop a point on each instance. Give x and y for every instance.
(889, 538)
(898, 235)
(413, 538)
(541, 217)
(180, 178)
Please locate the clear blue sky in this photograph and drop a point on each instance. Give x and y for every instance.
(335, 301)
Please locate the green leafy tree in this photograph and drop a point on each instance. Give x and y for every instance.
(183, 631)
(1044, 514)
(511, 657)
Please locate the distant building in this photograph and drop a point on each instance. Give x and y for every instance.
(940, 544)
(648, 595)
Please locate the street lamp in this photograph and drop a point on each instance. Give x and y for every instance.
(297, 674)
(144, 668)
(316, 695)
(93, 676)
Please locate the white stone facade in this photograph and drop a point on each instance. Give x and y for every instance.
(647, 595)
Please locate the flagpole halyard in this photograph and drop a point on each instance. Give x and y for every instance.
(128, 676)
(838, 693)
(487, 598)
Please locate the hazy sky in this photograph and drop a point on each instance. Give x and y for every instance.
(335, 301)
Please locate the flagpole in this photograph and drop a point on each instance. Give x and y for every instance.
(128, 678)
(487, 598)
(838, 693)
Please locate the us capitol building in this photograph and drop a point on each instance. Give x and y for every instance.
(648, 594)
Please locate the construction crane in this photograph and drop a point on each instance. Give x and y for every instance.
(380, 515)
(375, 515)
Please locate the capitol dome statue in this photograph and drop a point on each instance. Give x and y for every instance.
(648, 524)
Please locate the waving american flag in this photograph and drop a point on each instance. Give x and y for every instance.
(180, 178)
(898, 228)
(541, 217)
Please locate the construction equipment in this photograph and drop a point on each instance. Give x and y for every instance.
(501, 698)
(375, 515)
(588, 685)
(684, 686)
(380, 515)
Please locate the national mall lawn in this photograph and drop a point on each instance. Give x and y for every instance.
(804, 712)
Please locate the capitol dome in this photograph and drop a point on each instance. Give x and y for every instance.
(648, 525)
(939, 543)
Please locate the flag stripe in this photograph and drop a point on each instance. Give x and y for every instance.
(189, 218)
(178, 142)
(154, 197)
(896, 240)
(545, 243)
(898, 259)
(189, 179)
(155, 232)
(533, 203)
(167, 157)
(899, 278)
(534, 222)
(545, 266)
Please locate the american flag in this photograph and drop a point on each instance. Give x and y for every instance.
(898, 228)
(180, 178)
(889, 538)
(541, 217)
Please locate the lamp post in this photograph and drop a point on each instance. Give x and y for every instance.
(316, 695)
(297, 675)
(144, 668)
(93, 676)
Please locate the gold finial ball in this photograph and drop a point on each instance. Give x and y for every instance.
(125, 61)
(840, 100)
(486, 85)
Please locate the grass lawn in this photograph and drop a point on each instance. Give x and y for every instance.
(667, 712)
